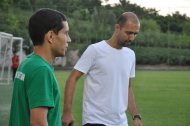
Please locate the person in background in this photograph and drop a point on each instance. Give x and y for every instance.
(36, 93)
(108, 67)
(15, 63)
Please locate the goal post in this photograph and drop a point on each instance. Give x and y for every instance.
(5, 55)
(18, 42)
(8, 43)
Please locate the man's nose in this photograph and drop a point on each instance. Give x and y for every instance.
(132, 37)
(69, 39)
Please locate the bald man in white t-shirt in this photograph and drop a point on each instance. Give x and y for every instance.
(108, 67)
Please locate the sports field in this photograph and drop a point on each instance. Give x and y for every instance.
(163, 98)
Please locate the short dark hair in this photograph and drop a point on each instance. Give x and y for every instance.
(42, 21)
(125, 17)
(121, 20)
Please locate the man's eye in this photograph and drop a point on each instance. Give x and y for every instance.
(130, 33)
(67, 33)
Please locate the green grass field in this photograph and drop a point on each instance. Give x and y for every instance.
(163, 98)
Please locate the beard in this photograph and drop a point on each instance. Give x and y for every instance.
(59, 53)
(124, 43)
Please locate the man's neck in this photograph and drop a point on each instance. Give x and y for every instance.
(44, 53)
(113, 43)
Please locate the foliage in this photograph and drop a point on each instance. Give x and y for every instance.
(149, 25)
(186, 28)
(91, 22)
(151, 38)
(4, 5)
(157, 55)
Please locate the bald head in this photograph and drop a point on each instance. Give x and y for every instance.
(128, 17)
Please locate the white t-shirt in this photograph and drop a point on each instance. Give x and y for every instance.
(107, 71)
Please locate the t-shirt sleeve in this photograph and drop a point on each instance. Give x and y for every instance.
(132, 73)
(86, 60)
(40, 88)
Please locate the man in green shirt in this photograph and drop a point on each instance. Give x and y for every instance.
(36, 94)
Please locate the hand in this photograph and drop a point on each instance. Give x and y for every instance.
(67, 119)
(137, 122)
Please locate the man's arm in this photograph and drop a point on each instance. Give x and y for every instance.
(69, 92)
(132, 106)
(38, 116)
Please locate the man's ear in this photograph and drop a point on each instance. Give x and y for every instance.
(117, 27)
(49, 36)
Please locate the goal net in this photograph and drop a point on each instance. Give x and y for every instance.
(8, 44)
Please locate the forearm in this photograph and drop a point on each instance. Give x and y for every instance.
(67, 117)
(39, 124)
(38, 116)
(69, 92)
(132, 107)
(131, 102)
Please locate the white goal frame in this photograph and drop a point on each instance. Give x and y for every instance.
(6, 52)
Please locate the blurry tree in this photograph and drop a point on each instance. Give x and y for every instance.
(4, 5)
(186, 28)
(149, 25)
(90, 22)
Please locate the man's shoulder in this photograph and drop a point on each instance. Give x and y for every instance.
(97, 44)
(32, 63)
(128, 49)
(95, 48)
